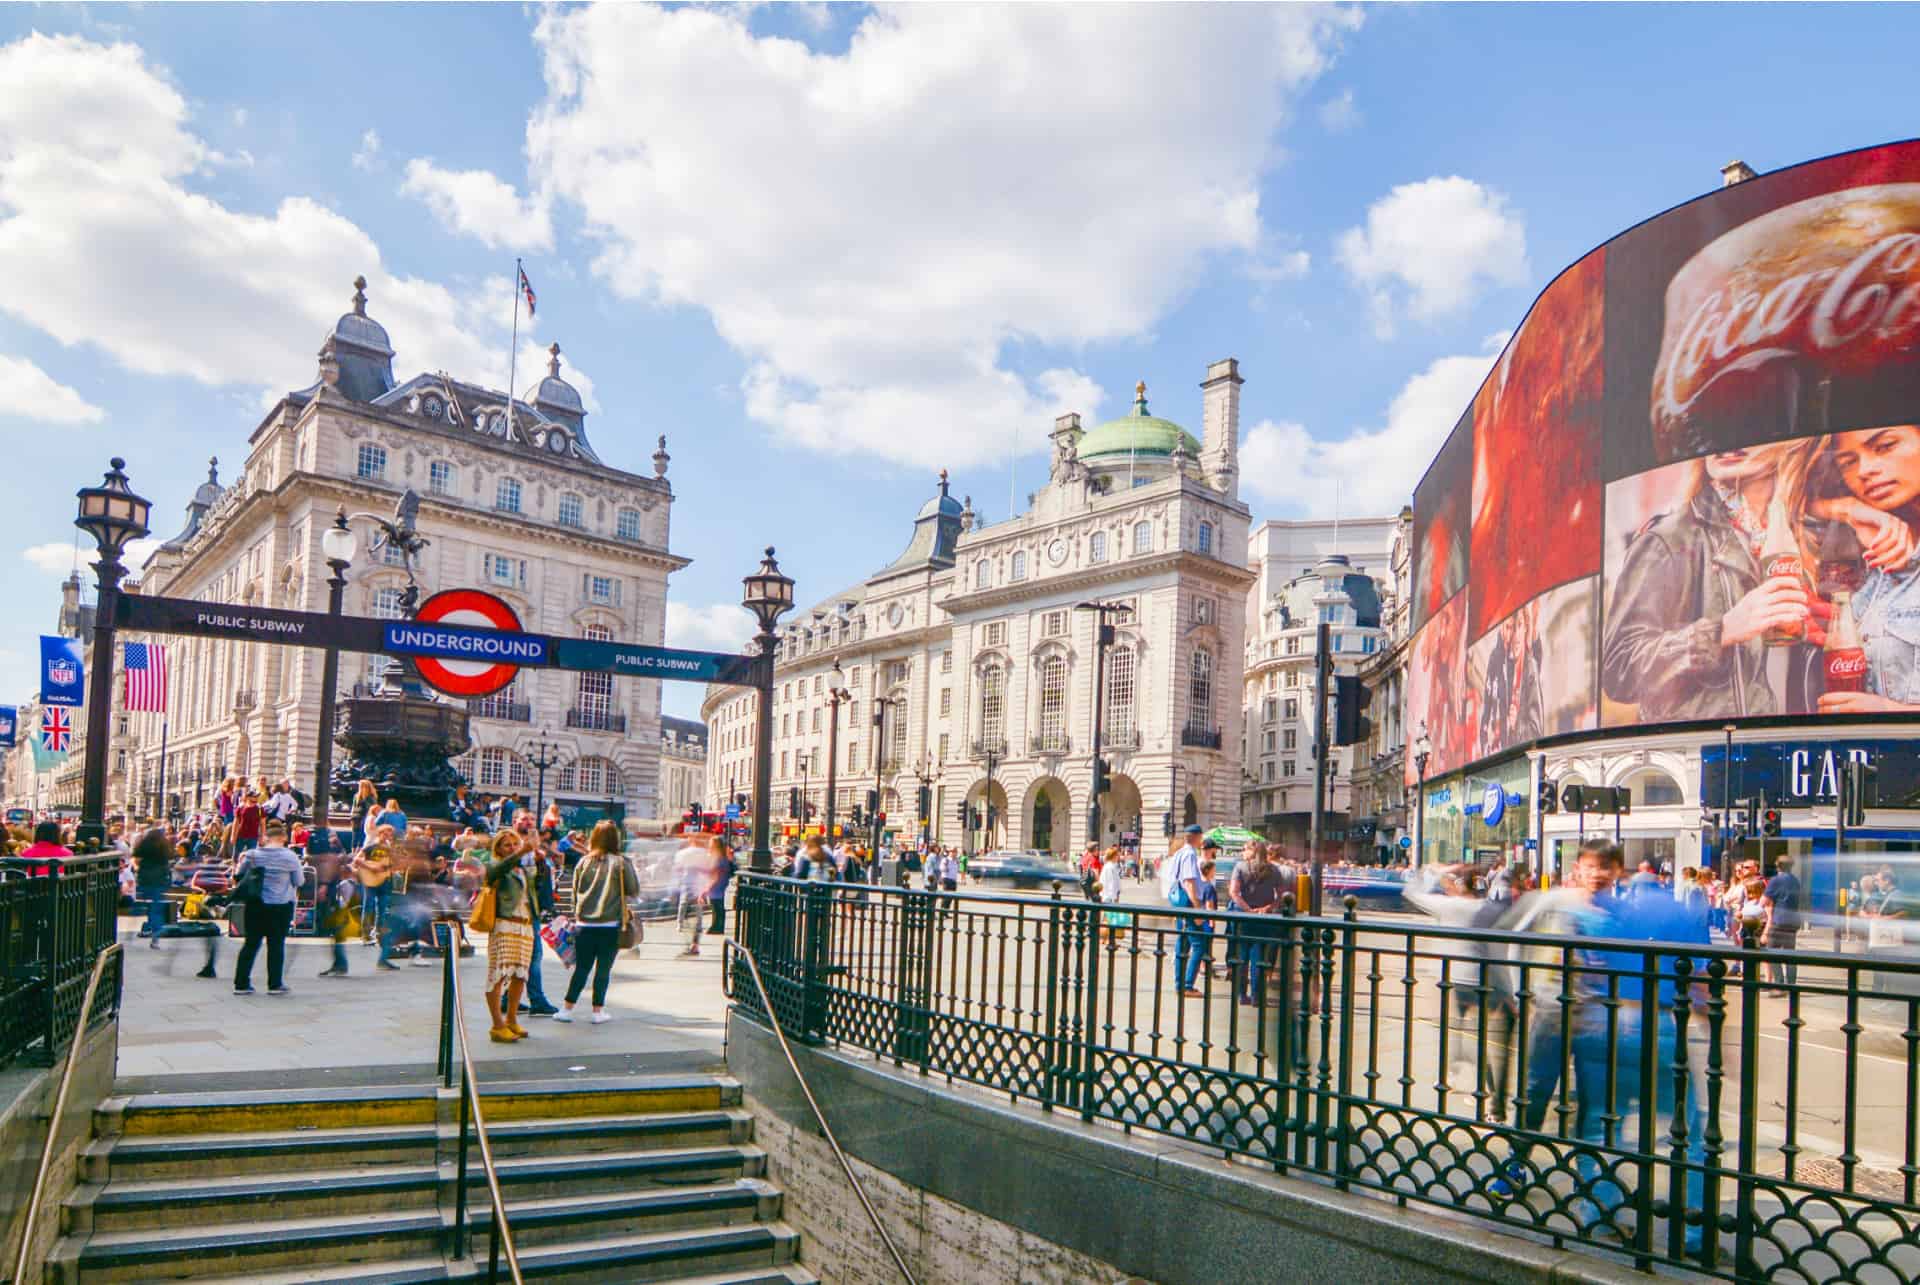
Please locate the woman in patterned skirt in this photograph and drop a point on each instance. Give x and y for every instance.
(510, 944)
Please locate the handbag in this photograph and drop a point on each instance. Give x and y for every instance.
(252, 886)
(482, 915)
(631, 933)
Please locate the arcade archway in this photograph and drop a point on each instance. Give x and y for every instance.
(1120, 812)
(1049, 815)
(986, 817)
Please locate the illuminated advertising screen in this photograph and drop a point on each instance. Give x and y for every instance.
(1689, 490)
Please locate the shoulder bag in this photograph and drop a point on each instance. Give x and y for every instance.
(631, 933)
(480, 919)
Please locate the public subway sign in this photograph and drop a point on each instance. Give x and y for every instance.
(150, 614)
(652, 662)
(1807, 773)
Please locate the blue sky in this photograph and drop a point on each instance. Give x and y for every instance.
(828, 251)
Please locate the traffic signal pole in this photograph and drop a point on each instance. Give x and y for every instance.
(1322, 671)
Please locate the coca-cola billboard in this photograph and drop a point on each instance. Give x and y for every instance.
(1695, 482)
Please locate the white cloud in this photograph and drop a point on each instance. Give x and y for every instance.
(1429, 248)
(1371, 471)
(55, 557)
(870, 229)
(28, 392)
(367, 155)
(474, 203)
(1338, 114)
(108, 243)
(723, 626)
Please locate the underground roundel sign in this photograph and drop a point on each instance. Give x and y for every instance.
(466, 643)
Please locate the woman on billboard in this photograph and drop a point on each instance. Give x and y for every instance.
(1880, 468)
(1707, 586)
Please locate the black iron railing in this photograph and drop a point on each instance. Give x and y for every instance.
(52, 927)
(1494, 1073)
(1205, 738)
(596, 720)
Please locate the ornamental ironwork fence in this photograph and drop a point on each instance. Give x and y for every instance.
(52, 925)
(1495, 1073)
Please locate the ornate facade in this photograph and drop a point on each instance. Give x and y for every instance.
(973, 647)
(521, 505)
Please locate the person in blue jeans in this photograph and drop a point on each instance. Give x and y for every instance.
(1180, 881)
(153, 873)
(1644, 913)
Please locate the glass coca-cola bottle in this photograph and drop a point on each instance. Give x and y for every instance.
(1842, 564)
(1846, 659)
(1780, 558)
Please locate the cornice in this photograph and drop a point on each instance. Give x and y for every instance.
(1223, 574)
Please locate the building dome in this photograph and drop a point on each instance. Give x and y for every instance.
(940, 505)
(360, 330)
(1136, 434)
(555, 391)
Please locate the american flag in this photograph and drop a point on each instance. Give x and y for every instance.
(56, 732)
(146, 668)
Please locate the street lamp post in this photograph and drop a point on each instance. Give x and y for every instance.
(336, 545)
(1726, 807)
(881, 704)
(988, 813)
(923, 801)
(114, 516)
(540, 761)
(768, 595)
(1102, 639)
(837, 695)
(1422, 747)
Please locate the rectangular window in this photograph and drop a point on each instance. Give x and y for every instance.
(1266, 770)
(993, 706)
(1017, 567)
(572, 511)
(1291, 740)
(627, 524)
(503, 570)
(816, 719)
(1055, 624)
(1097, 547)
(372, 462)
(1266, 743)
(506, 496)
(896, 672)
(1286, 767)
(1120, 696)
(946, 701)
(1143, 537)
(1203, 611)
(853, 756)
(783, 762)
(1206, 537)
(600, 588)
(440, 478)
(946, 661)
(1293, 710)
(1293, 646)
(1270, 710)
(996, 634)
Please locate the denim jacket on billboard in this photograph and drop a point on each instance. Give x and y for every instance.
(1887, 611)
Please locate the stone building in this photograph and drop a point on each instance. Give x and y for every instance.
(1379, 772)
(973, 646)
(1306, 573)
(683, 765)
(516, 501)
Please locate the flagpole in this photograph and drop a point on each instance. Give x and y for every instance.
(161, 818)
(513, 346)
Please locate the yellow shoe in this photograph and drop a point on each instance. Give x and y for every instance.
(502, 1035)
(519, 1031)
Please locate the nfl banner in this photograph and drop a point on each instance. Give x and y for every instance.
(62, 677)
(9, 722)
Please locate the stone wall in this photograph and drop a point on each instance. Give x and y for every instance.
(943, 1242)
(976, 1190)
(28, 1094)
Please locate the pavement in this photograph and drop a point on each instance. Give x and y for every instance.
(179, 1031)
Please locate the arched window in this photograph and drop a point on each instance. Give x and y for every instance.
(1053, 703)
(1200, 691)
(1206, 537)
(1119, 729)
(506, 496)
(626, 524)
(1143, 537)
(1655, 788)
(993, 706)
(1190, 811)
(593, 703)
(1017, 567)
(982, 574)
(572, 510)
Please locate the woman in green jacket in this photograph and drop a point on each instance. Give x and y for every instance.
(602, 882)
(510, 944)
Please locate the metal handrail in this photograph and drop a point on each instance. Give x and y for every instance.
(60, 1109)
(453, 1020)
(766, 1006)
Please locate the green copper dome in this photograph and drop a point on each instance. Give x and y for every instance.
(1136, 434)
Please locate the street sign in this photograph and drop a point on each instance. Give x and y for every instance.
(652, 662)
(733, 811)
(152, 614)
(465, 642)
(1406, 841)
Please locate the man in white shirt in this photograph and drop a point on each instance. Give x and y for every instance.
(281, 803)
(1180, 882)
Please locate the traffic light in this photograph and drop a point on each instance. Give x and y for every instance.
(793, 801)
(1166, 823)
(1573, 798)
(1770, 823)
(1622, 800)
(1599, 798)
(1102, 777)
(923, 802)
(855, 820)
(1351, 697)
(1753, 815)
(694, 809)
(993, 816)
(880, 820)
(1549, 797)
(873, 802)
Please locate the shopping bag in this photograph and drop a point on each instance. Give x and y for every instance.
(558, 934)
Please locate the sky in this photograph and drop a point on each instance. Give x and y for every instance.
(831, 250)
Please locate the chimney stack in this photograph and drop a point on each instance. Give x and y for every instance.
(1220, 426)
(1736, 172)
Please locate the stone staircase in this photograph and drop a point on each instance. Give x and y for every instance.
(605, 1180)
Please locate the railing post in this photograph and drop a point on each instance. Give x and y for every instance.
(449, 962)
(1648, 1074)
(912, 974)
(815, 945)
(1283, 1040)
(1748, 1144)
(460, 1178)
(1051, 1081)
(1343, 1124)
(1089, 917)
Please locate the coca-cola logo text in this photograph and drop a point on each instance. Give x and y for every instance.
(1846, 664)
(1785, 564)
(1866, 306)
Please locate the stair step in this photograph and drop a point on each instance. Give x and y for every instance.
(593, 1133)
(245, 1248)
(618, 1095)
(429, 1271)
(529, 1177)
(211, 1155)
(565, 1218)
(311, 1193)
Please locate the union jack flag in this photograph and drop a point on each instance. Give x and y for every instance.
(56, 730)
(526, 288)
